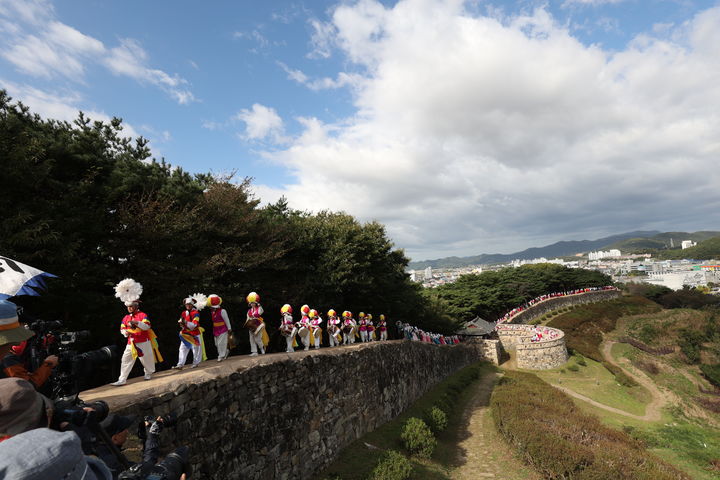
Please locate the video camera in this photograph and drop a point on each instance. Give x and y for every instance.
(72, 366)
(171, 468)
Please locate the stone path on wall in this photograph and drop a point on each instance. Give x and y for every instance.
(167, 381)
(483, 452)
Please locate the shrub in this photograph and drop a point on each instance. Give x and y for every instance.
(620, 376)
(418, 438)
(561, 441)
(646, 366)
(641, 346)
(691, 344)
(392, 466)
(712, 373)
(573, 368)
(581, 361)
(437, 419)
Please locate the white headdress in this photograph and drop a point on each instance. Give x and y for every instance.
(128, 291)
(200, 300)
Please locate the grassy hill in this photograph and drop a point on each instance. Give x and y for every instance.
(678, 350)
(661, 241)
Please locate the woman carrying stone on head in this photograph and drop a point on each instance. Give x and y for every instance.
(255, 325)
(334, 335)
(382, 328)
(303, 327)
(287, 328)
(190, 335)
(222, 328)
(135, 326)
(315, 330)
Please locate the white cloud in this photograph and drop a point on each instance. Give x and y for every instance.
(473, 134)
(343, 79)
(322, 39)
(58, 104)
(261, 123)
(39, 45)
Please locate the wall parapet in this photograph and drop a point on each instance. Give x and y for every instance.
(286, 416)
(553, 303)
(546, 353)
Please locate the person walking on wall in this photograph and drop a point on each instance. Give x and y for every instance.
(135, 326)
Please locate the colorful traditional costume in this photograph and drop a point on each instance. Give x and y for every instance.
(334, 335)
(370, 328)
(256, 325)
(191, 337)
(362, 324)
(382, 328)
(315, 330)
(349, 328)
(222, 328)
(303, 327)
(135, 326)
(287, 328)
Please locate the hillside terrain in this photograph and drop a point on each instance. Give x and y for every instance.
(651, 373)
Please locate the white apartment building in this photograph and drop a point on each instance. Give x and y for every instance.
(687, 244)
(612, 253)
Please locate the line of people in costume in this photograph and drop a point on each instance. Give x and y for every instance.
(142, 342)
(416, 334)
(548, 296)
(340, 331)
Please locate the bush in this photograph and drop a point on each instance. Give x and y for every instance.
(691, 344)
(620, 376)
(646, 366)
(437, 419)
(573, 368)
(712, 373)
(392, 466)
(561, 441)
(581, 361)
(418, 438)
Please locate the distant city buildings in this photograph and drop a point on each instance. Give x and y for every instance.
(599, 255)
(674, 274)
(687, 244)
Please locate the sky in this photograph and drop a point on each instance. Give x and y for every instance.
(465, 127)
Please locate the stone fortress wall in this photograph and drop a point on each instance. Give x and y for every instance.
(541, 308)
(287, 416)
(550, 352)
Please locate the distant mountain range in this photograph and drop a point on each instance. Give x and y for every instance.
(629, 242)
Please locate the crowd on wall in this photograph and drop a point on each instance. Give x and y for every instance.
(515, 311)
(415, 334)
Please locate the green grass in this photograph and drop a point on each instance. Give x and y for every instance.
(356, 461)
(595, 382)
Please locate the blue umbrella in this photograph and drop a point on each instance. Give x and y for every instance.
(19, 279)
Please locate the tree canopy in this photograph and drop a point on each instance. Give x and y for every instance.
(491, 294)
(84, 202)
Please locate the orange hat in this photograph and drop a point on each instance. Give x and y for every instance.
(347, 314)
(305, 309)
(332, 313)
(313, 313)
(286, 308)
(253, 298)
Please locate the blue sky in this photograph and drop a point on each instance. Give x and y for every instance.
(465, 127)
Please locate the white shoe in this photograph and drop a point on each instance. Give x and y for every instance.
(148, 377)
(254, 354)
(220, 359)
(194, 365)
(307, 348)
(177, 367)
(118, 383)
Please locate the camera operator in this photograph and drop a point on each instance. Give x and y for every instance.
(15, 363)
(28, 449)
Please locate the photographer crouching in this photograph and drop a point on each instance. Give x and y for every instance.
(75, 440)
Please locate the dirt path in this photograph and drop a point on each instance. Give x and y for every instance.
(659, 399)
(483, 452)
